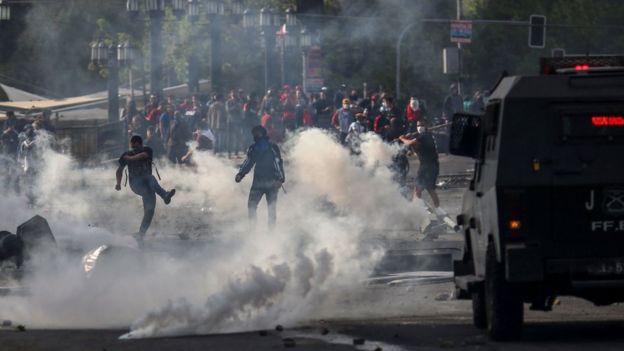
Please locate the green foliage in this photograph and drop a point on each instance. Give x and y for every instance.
(358, 42)
(578, 26)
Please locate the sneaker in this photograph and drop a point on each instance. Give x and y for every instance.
(168, 197)
(139, 238)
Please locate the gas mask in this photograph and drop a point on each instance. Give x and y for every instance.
(421, 129)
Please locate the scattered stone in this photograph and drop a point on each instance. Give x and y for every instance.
(289, 342)
(21, 328)
(279, 328)
(263, 333)
(6, 323)
(378, 348)
(359, 341)
(324, 331)
(443, 297)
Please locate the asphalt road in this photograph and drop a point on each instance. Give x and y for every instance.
(573, 325)
(408, 307)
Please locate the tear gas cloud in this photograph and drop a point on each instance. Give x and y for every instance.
(231, 278)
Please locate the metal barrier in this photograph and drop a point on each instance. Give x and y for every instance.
(91, 143)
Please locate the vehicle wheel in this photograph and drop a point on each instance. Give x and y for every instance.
(479, 314)
(461, 294)
(504, 307)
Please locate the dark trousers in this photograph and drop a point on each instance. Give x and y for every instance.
(290, 124)
(255, 195)
(222, 140)
(323, 121)
(343, 138)
(147, 187)
(176, 152)
(235, 139)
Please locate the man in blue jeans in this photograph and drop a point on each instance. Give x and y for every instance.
(142, 182)
(268, 174)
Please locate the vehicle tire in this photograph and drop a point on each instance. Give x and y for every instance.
(479, 314)
(504, 307)
(461, 294)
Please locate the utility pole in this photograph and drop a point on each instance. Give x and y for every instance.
(460, 15)
(113, 84)
(156, 51)
(215, 52)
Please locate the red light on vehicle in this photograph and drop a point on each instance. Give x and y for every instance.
(581, 67)
(515, 224)
(607, 121)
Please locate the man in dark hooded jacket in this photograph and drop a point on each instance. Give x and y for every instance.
(268, 173)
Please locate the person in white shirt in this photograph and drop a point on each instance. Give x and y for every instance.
(360, 126)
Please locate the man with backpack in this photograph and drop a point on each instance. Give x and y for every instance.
(268, 173)
(142, 182)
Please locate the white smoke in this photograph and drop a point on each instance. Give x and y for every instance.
(231, 278)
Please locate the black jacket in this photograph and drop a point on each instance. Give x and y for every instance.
(269, 167)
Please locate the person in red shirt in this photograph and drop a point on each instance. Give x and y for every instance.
(381, 124)
(289, 118)
(151, 111)
(153, 117)
(186, 105)
(273, 132)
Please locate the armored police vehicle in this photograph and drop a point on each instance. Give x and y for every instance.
(544, 213)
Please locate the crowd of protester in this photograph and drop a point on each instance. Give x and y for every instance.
(221, 124)
(21, 141)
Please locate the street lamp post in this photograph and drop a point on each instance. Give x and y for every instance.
(126, 56)
(266, 22)
(215, 10)
(193, 63)
(460, 7)
(156, 10)
(106, 55)
(290, 44)
(5, 11)
(268, 32)
(113, 84)
(288, 41)
(305, 44)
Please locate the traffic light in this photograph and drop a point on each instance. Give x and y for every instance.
(537, 31)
